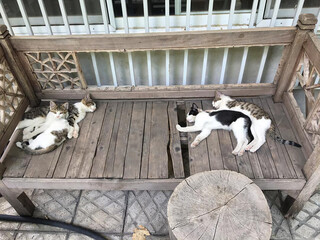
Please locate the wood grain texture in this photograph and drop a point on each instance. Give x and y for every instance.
(297, 119)
(156, 41)
(159, 139)
(213, 143)
(219, 204)
(162, 92)
(132, 162)
(175, 143)
(99, 161)
(80, 148)
(312, 48)
(132, 184)
(296, 155)
(146, 142)
(92, 140)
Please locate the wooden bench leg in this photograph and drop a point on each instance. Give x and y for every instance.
(18, 200)
(305, 193)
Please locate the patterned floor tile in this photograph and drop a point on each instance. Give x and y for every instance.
(53, 204)
(41, 236)
(7, 235)
(5, 208)
(102, 210)
(280, 226)
(149, 209)
(306, 225)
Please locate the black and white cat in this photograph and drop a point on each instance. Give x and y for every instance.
(51, 133)
(206, 121)
(35, 117)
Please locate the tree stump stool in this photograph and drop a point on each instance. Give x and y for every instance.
(219, 205)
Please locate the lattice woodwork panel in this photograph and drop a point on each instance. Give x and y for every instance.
(10, 94)
(57, 70)
(308, 77)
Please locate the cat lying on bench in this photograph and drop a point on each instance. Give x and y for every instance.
(262, 124)
(35, 117)
(206, 121)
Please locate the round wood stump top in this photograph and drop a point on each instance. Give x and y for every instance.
(219, 205)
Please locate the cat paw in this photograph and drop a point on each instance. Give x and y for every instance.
(75, 134)
(194, 144)
(234, 152)
(70, 135)
(18, 144)
(240, 153)
(179, 128)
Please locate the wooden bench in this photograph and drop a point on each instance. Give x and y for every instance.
(130, 142)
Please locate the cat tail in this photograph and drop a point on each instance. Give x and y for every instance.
(273, 134)
(24, 146)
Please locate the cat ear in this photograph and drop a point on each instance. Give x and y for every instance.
(52, 105)
(66, 105)
(194, 106)
(218, 94)
(88, 96)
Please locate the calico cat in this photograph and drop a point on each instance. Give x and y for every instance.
(52, 132)
(206, 121)
(76, 112)
(261, 121)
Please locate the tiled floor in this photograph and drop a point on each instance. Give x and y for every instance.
(115, 214)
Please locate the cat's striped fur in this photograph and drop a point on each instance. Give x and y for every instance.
(262, 123)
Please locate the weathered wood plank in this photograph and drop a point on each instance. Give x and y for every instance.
(156, 41)
(161, 92)
(146, 142)
(40, 165)
(158, 157)
(100, 159)
(133, 184)
(15, 160)
(312, 48)
(304, 28)
(296, 155)
(297, 119)
(175, 144)
(122, 140)
(80, 148)
(198, 156)
(280, 158)
(135, 142)
(64, 160)
(108, 169)
(265, 159)
(243, 162)
(229, 160)
(213, 143)
(92, 141)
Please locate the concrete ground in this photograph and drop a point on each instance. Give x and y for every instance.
(115, 214)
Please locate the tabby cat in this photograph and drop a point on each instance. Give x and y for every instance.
(206, 121)
(76, 112)
(51, 133)
(261, 121)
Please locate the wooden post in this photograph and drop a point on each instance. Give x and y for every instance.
(16, 67)
(312, 169)
(17, 199)
(305, 25)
